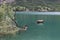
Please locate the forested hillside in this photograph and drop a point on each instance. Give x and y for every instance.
(52, 4)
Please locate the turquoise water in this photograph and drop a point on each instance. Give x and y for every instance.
(49, 30)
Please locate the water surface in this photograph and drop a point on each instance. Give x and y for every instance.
(49, 30)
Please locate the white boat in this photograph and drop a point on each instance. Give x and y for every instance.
(40, 21)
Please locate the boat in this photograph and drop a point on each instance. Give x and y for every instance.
(40, 21)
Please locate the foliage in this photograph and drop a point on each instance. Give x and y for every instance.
(43, 3)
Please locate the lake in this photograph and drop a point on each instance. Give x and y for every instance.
(49, 30)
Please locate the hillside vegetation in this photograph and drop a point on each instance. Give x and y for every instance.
(54, 5)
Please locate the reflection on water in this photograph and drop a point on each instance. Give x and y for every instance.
(40, 24)
(49, 30)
